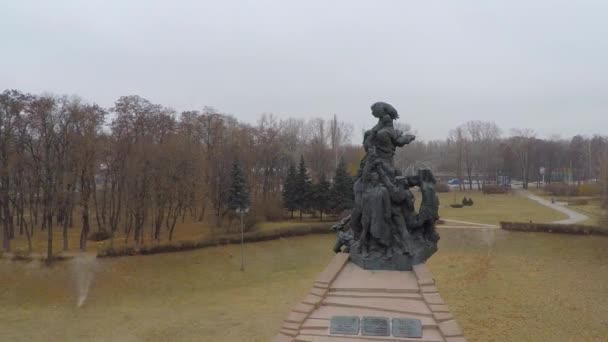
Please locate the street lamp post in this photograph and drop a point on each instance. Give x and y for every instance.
(242, 212)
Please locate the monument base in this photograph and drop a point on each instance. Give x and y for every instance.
(349, 303)
(376, 260)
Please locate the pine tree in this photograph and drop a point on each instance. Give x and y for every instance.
(289, 189)
(342, 191)
(302, 188)
(238, 194)
(322, 195)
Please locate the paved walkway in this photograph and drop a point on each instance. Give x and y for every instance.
(373, 301)
(467, 224)
(573, 216)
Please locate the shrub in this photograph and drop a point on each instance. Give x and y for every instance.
(578, 202)
(589, 190)
(554, 228)
(99, 235)
(456, 205)
(21, 255)
(116, 251)
(493, 189)
(442, 187)
(560, 189)
(269, 209)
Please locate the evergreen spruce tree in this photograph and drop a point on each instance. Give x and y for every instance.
(342, 190)
(289, 189)
(322, 195)
(302, 188)
(238, 194)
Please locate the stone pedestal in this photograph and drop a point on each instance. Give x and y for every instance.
(344, 289)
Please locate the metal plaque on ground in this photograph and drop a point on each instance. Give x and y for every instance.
(375, 326)
(406, 327)
(345, 325)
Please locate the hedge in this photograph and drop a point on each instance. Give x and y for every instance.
(577, 229)
(255, 236)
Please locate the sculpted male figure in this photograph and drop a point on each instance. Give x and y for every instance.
(376, 215)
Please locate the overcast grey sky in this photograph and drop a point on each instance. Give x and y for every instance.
(535, 64)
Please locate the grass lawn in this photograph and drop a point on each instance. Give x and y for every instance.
(502, 286)
(491, 209)
(512, 286)
(190, 296)
(593, 209)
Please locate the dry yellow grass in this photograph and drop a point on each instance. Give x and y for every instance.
(510, 286)
(502, 286)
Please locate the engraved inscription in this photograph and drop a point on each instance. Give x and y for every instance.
(344, 325)
(407, 328)
(375, 326)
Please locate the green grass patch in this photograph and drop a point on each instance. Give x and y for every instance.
(491, 209)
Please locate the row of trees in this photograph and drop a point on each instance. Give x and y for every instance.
(300, 193)
(478, 152)
(141, 167)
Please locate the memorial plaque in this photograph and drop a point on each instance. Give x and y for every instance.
(345, 325)
(407, 327)
(375, 326)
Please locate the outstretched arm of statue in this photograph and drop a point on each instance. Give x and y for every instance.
(404, 139)
(340, 225)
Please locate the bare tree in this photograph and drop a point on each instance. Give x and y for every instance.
(521, 142)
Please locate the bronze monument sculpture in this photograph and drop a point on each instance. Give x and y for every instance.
(384, 231)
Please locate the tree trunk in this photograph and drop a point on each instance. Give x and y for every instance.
(49, 248)
(84, 234)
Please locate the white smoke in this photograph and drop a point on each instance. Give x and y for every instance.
(83, 268)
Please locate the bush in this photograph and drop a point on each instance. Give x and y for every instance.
(456, 205)
(269, 209)
(442, 187)
(578, 202)
(100, 235)
(589, 190)
(467, 202)
(560, 189)
(493, 189)
(577, 229)
(254, 236)
(21, 255)
(116, 251)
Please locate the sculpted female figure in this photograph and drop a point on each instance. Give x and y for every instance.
(383, 219)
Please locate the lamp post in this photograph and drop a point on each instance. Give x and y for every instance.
(242, 212)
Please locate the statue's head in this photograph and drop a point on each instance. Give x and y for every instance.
(401, 182)
(382, 109)
(374, 177)
(427, 176)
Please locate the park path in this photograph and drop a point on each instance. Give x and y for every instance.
(573, 216)
(465, 224)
